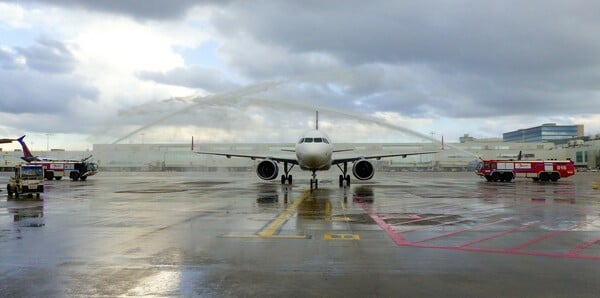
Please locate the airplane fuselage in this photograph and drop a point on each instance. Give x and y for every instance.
(314, 151)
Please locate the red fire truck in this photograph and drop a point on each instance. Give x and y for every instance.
(538, 170)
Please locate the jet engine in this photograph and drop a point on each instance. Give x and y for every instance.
(363, 170)
(267, 169)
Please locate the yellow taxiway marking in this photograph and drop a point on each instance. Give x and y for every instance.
(272, 236)
(283, 217)
(270, 230)
(330, 236)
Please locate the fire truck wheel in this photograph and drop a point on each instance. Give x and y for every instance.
(9, 190)
(507, 177)
(83, 178)
(495, 176)
(488, 178)
(544, 176)
(74, 176)
(554, 177)
(49, 175)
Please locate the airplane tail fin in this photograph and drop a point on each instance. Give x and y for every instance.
(27, 156)
(192, 143)
(520, 155)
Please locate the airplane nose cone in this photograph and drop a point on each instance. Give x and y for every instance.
(314, 159)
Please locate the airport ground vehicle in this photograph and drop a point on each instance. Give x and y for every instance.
(538, 170)
(75, 170)
(28, 179)
(56, 169)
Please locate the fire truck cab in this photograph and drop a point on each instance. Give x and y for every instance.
(538, 170)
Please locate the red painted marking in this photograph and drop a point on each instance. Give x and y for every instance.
(549, 235)
(461, 231)
(397, 238)
(420, 219)
(449, 223)
(576, 250)
(500, 234)
(573, 254)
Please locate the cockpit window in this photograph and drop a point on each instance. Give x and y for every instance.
(318, 140)
(308, 140)
(301, 141)
(325, 141)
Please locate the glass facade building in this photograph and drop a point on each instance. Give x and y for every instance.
(550, 132)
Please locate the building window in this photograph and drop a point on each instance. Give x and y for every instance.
(579, 156)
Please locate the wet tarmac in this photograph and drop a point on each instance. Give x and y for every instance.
(401, 234)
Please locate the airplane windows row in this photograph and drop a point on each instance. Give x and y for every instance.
(315, 140)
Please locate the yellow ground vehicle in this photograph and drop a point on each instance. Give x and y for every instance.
(28, 179)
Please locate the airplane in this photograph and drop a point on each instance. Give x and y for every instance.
(314, 152)
(28, 157)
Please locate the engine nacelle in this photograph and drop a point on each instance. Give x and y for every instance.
(267, 170)
(363, 170)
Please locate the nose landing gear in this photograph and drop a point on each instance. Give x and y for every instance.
(313, 181)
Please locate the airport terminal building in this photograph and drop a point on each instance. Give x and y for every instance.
(548, 141)
(453, 157)
(549, 132)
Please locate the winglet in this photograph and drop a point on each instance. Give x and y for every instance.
(317, 121)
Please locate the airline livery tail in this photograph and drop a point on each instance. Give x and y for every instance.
(27, 156)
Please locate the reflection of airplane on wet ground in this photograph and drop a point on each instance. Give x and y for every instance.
(56, 169)
(314, 152)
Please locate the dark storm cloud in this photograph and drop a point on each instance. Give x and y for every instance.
(48, 56)
(499, 36)
(24, 91)
(42, 83)
(138, 9)
(207, 79)
(446, 58)
(8, 60)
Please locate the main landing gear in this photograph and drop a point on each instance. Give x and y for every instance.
(344, 177)
(287, 177)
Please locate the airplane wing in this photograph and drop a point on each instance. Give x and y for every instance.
(352, 159)
(3, 141)
(253, 157)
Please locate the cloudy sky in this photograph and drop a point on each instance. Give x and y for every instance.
(74, 73)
